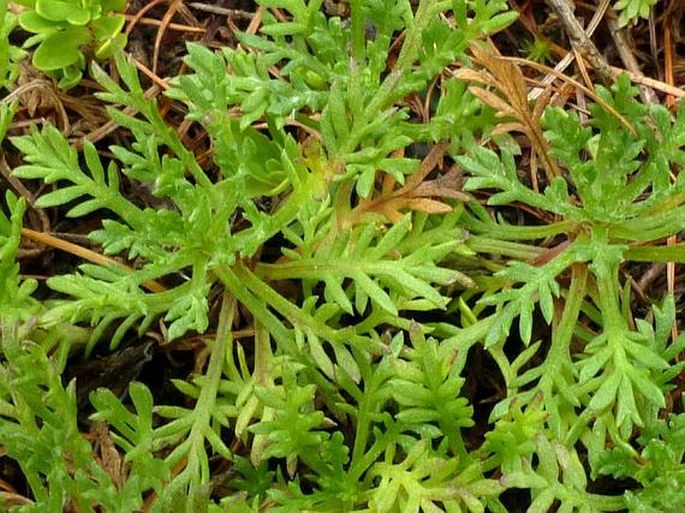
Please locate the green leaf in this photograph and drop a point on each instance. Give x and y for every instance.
(632, 9)
(336, 293)
(71, 75)
(111, 47)
(372, 290)
(606, 394)
(31, 21)
(60, 49)
(284, 29)
(7, 111)
(57, 10)
(646, 387)
(107, 27)
(61, 196)
(498, 22)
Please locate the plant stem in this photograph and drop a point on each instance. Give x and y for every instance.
(208, 393)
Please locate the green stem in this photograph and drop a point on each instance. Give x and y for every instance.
(675, 253)
(362, 461)
(358, 29)
(256, 307)
(410, 49)
(466, 337)
(508, 232)
(646, 228)
(607, 297)
(205, 403)
(562, 334)
(255, 295)
(288, 310)
(263, 354)
(481, 244)
(607, 503)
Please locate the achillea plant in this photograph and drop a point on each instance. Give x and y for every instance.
(351, 243)
(301, 163)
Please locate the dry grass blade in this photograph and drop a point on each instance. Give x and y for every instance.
(595, 97)
(86, 254)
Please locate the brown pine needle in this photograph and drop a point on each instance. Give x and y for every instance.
(85, 254)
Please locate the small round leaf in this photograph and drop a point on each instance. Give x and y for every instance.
(31, 21)
(60, 49)
(56, 10)
(107, 27)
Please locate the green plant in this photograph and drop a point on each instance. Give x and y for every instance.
(364, 257)
(658, 468)
(65, 29)
(614, 203)
(368, 275)
(39, 430)
(632, 9)
(537, 50)
(10, 55)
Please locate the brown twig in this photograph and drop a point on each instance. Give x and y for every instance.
(568, 59)
(171, 26)
(221, 11)
(580, 40)
(139, 15)
(166, 20)
(256, 21)
(670, 102)
(162, 83)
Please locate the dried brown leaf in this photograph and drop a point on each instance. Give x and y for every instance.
(415, 194)
(471, 75)
(511, 101)
(110, 459)
(505, 128)
(428, 206)
(503, 108)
